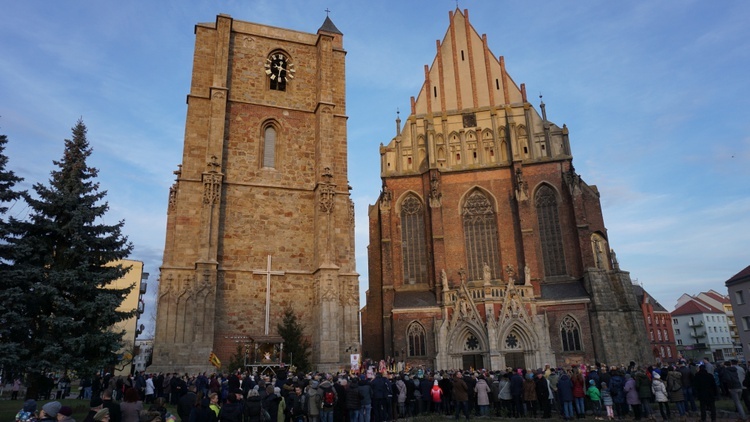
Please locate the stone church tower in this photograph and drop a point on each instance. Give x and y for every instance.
(487, 249)
(261, 200)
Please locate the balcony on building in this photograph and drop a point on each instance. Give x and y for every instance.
(697, 335)
(693, 324)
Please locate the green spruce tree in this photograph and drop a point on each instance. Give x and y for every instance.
(62, 268)
(11, 323)
(296, 345)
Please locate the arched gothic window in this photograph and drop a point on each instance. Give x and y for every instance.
(550, 234)
(661, 349)
(480, 236)
(416, 336)
(666, 337)
(669, 352)
(652, 335)
(570, 332)
(413, 245)
(269, 147)
(658, 335)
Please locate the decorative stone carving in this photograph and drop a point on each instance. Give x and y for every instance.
(211, 188)
(435, 195)
(573, 181)
(615, 263)
(172, 195)
(386, 196)
(328, 292)
(527, 275)
(521, 188)
(444, 280)
(486, 276)
(327, 191)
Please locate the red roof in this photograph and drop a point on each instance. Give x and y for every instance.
(718, 297)
(695, 306)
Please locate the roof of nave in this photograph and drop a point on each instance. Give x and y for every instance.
(414, 299)
(561, 291)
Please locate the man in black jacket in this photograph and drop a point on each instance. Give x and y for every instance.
(705, 390)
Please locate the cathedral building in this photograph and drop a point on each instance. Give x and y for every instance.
(260, 218)
(487, 249)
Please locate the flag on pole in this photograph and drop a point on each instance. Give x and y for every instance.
(214, 360)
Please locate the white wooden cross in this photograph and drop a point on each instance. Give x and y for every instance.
(268, 273)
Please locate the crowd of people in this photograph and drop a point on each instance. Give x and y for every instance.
(599, 391)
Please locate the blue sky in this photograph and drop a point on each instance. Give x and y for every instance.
(655, 94)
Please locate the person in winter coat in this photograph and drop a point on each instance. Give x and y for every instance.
(565, 393)
(631, 396)
(616, 385)
(461, 395)
(273, 403)
(253, 409)
(494, 395)
(529, 395)
(365, 393)
(731, 380)
(643, 384)
(595, 396)
(661, 396)
(202, 411)
(506, 400)
(674, 390)
(326, 410)
(543, 394)
(705, 390)
(483, 391)
(232, 409)
(607, 401)
(436, 397)
(401, 387)
(579, 392)
(516, 393)
(353, 400)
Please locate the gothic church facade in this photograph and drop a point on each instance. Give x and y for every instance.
(487, 249)
(260, 217)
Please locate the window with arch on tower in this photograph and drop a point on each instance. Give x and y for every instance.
(269, 146)
(570, 332)
(413, 252)
(416, 336)
(550, 234)
(480, 236)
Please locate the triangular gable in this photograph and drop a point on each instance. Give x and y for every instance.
(464, 74)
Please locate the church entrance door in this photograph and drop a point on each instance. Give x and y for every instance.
(473, 361)
(515, 360)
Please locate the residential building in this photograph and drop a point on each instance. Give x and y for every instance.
(739, 326)
(701, 330)
(144, 349)
(658, 327)
(133, 301)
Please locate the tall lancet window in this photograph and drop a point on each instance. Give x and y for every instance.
(269, 147)
(480, 236)
(413, 247)
(570, 333)
(550, 235)
(416, 336)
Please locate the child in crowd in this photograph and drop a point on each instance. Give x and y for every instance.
(595, 397)
(606, 396)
